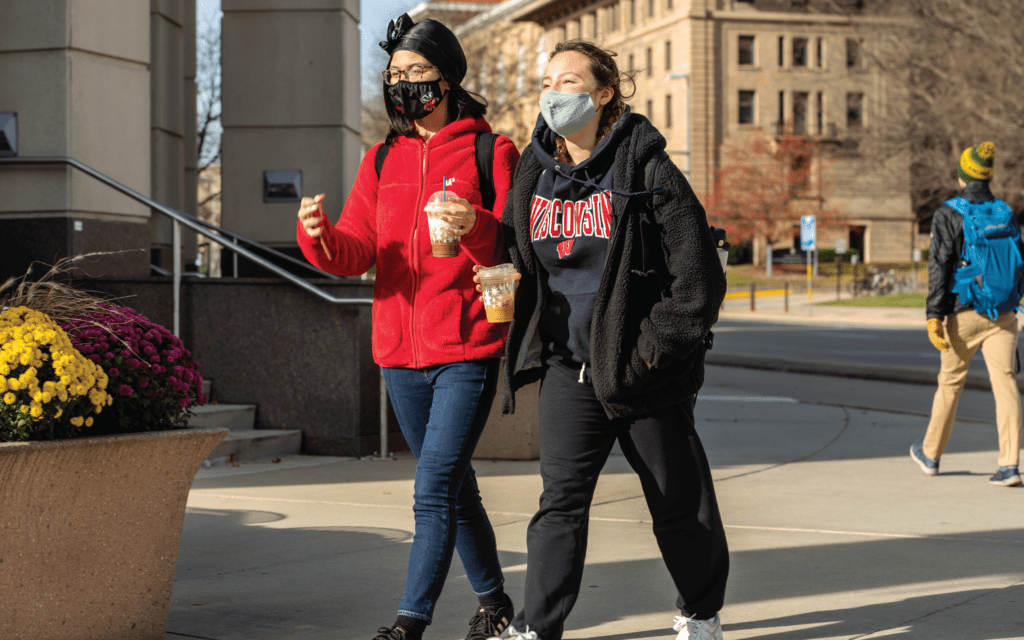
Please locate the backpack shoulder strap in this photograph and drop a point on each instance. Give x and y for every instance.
(485, 143)
(378, 158)
(958, 204)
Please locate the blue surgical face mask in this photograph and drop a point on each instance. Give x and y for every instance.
(566, 113)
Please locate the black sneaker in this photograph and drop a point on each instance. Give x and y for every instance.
(394, 633)
(489, 623)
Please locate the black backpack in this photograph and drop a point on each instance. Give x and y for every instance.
(484, 165)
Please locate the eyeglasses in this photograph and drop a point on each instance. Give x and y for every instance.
(412, 74)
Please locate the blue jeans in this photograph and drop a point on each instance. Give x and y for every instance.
(442, 411)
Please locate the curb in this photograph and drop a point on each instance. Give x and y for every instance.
(912, 375)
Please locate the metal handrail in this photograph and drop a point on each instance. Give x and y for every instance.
(217, 234)
(197, 225)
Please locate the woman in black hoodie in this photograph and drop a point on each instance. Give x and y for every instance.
(620, 286)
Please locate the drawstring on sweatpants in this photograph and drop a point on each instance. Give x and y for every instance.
(583, 370)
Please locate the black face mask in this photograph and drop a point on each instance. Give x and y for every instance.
(416, 100)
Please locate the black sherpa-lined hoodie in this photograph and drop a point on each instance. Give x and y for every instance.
(659, 290)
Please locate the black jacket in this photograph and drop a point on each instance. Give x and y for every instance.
(660, 292)
(947, 246)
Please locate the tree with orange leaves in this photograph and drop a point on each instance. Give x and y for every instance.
(765, 184)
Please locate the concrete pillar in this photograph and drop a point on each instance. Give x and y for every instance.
(76, 73)
(172, 121)
(705, 109)
(291, 80)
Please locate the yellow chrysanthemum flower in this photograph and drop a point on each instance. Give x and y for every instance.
(10, 398)
(78, 421)
(88, 422)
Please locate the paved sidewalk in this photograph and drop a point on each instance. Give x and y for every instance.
(833, 531)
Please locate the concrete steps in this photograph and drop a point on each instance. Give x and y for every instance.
(244, 443)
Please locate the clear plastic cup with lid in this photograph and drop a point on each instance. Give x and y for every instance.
(499, 290)
(443, 243)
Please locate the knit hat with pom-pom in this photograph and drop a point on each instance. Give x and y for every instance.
(977, 162)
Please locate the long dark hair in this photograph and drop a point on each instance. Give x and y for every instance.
(461, 104)
(607, 74)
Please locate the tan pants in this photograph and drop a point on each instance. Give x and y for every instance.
(965, 332)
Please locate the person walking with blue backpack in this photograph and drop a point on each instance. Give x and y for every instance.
(975, 284)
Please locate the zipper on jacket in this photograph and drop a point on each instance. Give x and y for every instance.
(415, 256)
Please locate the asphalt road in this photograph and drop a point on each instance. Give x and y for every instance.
(866, 346)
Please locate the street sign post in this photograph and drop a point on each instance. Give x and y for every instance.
(808, 243)
(840, 251)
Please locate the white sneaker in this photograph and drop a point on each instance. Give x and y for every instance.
(510, 633)
(690, 629)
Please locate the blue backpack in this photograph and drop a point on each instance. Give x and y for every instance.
(991, 273)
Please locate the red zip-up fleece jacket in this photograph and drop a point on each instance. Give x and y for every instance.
(426, 310)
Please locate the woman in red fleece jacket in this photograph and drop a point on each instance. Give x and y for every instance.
(430, 333)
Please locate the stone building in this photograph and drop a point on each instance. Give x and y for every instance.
(708, 73)
(112, 85)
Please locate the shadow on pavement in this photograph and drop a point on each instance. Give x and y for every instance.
(242, 576)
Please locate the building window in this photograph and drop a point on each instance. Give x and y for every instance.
(819, 53)
(593, 25)
(668, 112)
(746, 52)
(650, 8)
(821, 113)
(782, 109)
(615, 15)
(632, 63)
(650, 62)
(746, 107)
(854, 111)
(782, 51)
(800, 99)
(799, 52)
(632, 12)
(668, 55)
(650, 110)
(668, 4)
(852, 53)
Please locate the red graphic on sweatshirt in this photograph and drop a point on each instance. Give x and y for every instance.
(568, 219)
(565, 248)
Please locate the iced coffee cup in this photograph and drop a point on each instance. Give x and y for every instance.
(499, 289)
(443, 243)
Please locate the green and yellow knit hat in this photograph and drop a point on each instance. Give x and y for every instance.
(977, 162)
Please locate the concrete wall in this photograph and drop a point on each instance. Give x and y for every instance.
(76, 73)
(309, 368)
(291, 101)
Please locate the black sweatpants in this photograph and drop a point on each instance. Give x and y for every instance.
(576, 437)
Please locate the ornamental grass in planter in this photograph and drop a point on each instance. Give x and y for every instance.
(91, 509)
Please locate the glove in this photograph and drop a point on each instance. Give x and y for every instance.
(936, 334)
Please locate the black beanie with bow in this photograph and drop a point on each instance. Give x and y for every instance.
(430, 39)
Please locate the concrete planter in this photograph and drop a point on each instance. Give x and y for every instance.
(89, 533)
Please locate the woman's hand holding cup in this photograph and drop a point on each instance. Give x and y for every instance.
(461, 215)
